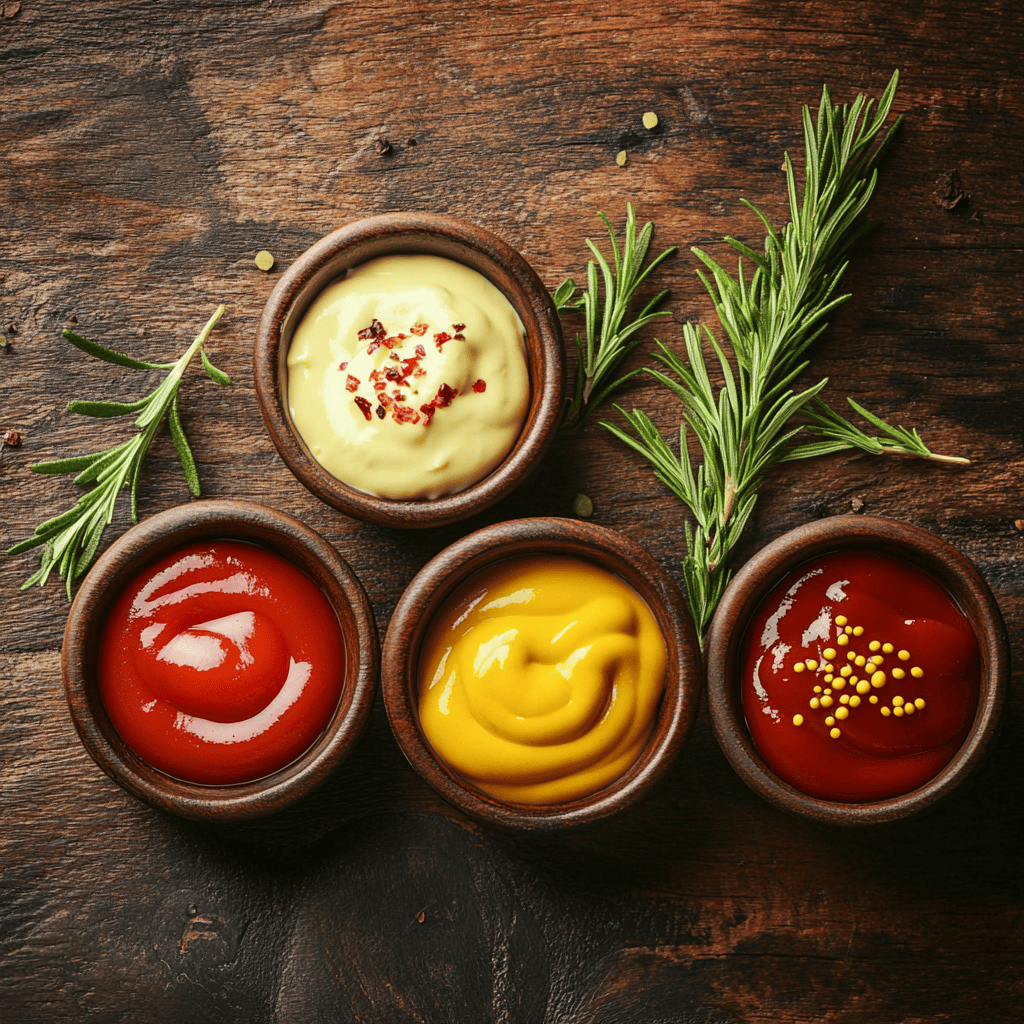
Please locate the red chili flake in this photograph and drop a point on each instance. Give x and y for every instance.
(379, 385)
(440, 338)
(394, 355)
(351, 383)
(445, 395)
(420, 351)
(405, 414)
(458, 327)
(381, 412)
(428, 411)
(399, 398)
(460, 337)
(375, 330)
(373, 346)
(408, 365)
(419, 329)
(385, 400)
(364, 405)
(419, 372)
(376, 374)
(341, 366)
(393, 373)
(479, 386)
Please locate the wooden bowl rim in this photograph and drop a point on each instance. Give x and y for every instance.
(753, 582)
(606, 548)
(430, 234)
(159, 535)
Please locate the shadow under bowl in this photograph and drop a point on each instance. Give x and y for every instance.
(161, 535)
(403, 234)
(752, 585)
(609, 550)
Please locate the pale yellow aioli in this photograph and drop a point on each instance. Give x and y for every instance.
(458, 391)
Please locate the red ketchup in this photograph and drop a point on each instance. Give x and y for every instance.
(221, 663)
(860, 677)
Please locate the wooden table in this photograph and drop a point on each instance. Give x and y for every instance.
(151, 149)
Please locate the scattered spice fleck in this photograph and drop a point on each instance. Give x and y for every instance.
(72, 319)
(421, 917)
(264, 260)
(650, 120)
(1019, 523)
(412, 142)
(364, 406)
(976, 217)
(12, 438)
(12, 328)
(582, 506)
(949, 190)
(383, 146)
(480, 386)
(620, 158)
(856, 504)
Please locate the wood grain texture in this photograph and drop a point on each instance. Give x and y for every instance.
(151, 149)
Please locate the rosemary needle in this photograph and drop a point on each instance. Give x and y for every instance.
(72, 538)
(771, 317)
(609, 337)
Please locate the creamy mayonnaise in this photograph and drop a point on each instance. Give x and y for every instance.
(407, 378)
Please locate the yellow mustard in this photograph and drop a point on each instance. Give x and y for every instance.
(540, 679)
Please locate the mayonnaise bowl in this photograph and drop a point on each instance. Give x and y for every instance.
(410, 370)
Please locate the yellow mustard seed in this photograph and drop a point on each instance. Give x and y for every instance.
(830, 720)
(897, 701)
(851, 656)
(904, 655)
(908, 708)
(844, 699)
(874, 645)
(838, 682)
(873, 699)
(841, 620)
(827, 702)
(830, 667)
(885, 711)
(898, 673)
(855, 701)
(858, 630)
(876, 659)
(878, 680)
(919, 703)
(848, 630)
(898, 712)
(817, 689)
(888, 648)
(814, 703)
(811, 664)
(828, 677)
(917, 671)
(846, 670)
(835, 733)
(860, 661)
(798, 719)
(828, 689)
(863, 686)
(620, 158)
(842, 640)
(829, 653)
(841, 713)
(264, 260)
(799, 667)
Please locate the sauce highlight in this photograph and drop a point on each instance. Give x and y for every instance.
(859, 677)
(407, 378)
(540, 679)
(221, 663)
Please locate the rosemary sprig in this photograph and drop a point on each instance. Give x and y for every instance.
(608, 338)
(72, 538)
(771, 317)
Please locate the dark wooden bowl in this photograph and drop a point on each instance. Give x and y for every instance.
(605, 548)
(417, 233)
(756, 579)
(160, 535)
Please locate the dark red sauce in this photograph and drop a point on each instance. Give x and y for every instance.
(866, 731)
(221, 663)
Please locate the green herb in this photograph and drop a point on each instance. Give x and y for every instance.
(770, 317)
(72, 538)
(609, 337)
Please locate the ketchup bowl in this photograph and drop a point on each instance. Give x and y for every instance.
(380, 403)
(857, 670)
(536, 680)
(300, 662)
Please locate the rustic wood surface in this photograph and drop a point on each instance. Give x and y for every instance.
(151, 149)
